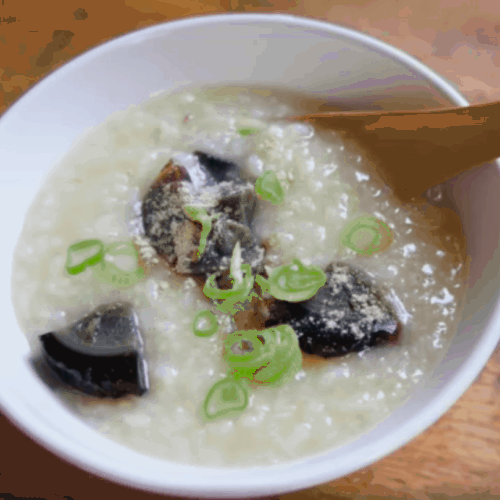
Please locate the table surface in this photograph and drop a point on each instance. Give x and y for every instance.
(459, 456)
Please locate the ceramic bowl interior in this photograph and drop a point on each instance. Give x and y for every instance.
(345, 67)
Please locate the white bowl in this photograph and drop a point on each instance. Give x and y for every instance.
(273, 50)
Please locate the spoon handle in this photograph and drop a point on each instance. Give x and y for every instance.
(419, 149)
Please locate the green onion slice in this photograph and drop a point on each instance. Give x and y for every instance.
(367, 235)
(248, 131)
(242, 280)
(205, 324)
(226, 398)
(120, 265)
(268, 187)
(84, 254)
(249, 349)
(240, 291)
(286, 362)
(285, 339)
(199, 214)
(278, 373)
(293, 282)
(270, 357)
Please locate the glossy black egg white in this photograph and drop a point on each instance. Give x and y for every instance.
(206, 181)
(348, 314)
(101, 353)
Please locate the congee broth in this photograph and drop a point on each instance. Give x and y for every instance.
(211, 284)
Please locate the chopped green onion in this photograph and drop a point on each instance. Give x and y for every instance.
(367, 235)
(239, 290)
(120, 265)
(242, 279)
(84, 254)
(293, 282)
(268, 187)
(268, 357)
(205, 324)
(286, 362)
(199, 214)
(280, 371)
(226, 398)
(233, 298)
(249, 350)
(248, 131)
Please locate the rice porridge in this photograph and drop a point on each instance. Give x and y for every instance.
(97, 191)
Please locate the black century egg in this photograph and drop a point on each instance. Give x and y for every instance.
(100, 354)
(229, 201)
(348, 314)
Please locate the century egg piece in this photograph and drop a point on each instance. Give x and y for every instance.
(348, 314)
(100, 354)
(220, 170)
(194, 214)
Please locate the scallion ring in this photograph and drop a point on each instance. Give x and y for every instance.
(205, 324)
(293, 282)
(84, 254)
(120, 265)
(367, 235)
(226, 398)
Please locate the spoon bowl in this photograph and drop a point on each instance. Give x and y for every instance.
(418, 149)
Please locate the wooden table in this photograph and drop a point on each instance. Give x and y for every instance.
(458, 457)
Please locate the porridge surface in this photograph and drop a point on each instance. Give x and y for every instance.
(96, 191)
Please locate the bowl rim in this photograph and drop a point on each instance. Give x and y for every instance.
(15, 409)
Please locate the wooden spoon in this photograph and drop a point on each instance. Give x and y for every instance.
(415, 150)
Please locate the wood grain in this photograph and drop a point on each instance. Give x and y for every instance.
(459, 456)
